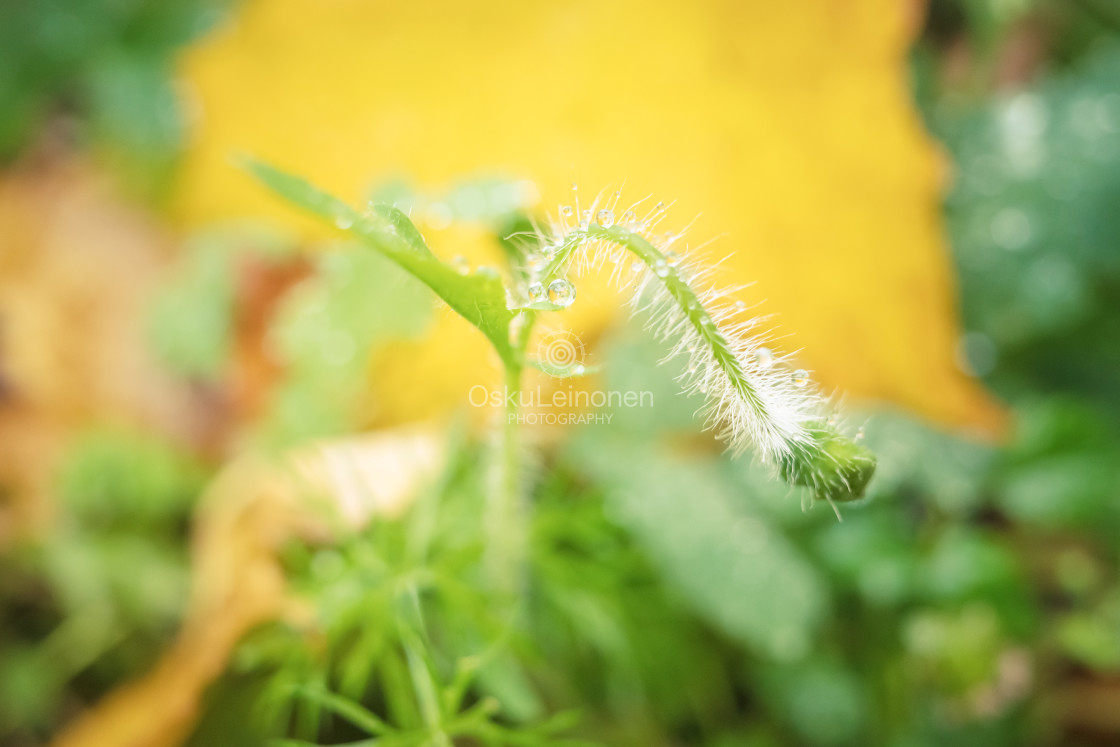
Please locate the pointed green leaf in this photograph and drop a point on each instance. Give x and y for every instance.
(478, 297)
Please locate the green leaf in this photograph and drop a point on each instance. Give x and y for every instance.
(353, 712)
(732, 566)
(355, 302)
(479, 297)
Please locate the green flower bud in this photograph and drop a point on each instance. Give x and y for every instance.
(835, 467)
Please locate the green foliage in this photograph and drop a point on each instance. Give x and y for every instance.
(103, 67)
(1035, 240)
(722, 558)
(98, 597)
(1035, 232)
(408, 629)
(324, 334)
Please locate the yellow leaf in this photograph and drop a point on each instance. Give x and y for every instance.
(789, 126)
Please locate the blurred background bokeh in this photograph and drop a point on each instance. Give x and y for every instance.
(926, 197)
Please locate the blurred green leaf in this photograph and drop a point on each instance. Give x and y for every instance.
(731, 565)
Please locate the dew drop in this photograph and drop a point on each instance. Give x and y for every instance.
(536, 292)
(763, 357)
(487, 272)
(800, 378)
(859, 435)
(672, 259)
(703, 388)
(636, 266)
(659, 206)
(459, 262)
(561, 292)
(692, 368)
(629, 217)
(661, 268)
(575, 187)
(740, 305)
(605, 218)
(566, 211)
(343, 221)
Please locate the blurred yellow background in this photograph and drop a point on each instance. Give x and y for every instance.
(787, 127)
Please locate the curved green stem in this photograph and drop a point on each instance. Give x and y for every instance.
(685, 297)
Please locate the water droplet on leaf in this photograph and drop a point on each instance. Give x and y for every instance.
(605, 218)
(800, 377)
(561, 292)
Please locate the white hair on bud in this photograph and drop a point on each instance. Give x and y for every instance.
(752, 398)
